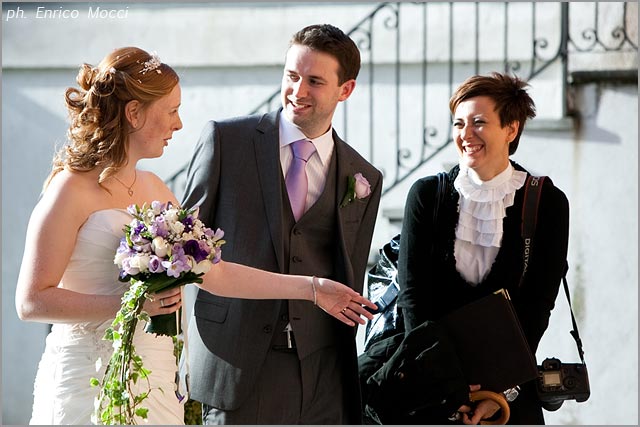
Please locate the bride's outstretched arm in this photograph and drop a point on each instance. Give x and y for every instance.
(228, 279)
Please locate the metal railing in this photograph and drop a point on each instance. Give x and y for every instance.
(414, 54)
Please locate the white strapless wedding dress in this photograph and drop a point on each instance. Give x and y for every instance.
(62, 391)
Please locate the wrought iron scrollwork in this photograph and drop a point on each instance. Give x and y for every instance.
(594, 36)
(400, 143)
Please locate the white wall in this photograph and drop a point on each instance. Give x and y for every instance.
(227, 71)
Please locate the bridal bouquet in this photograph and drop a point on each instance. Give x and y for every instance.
(164, 246)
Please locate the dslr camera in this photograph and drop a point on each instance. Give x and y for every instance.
(559, 381)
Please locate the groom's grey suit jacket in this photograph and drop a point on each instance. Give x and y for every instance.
(236, 178)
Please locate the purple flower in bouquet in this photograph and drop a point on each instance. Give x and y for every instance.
(178, 263)
(199, 250)
(155, 265)
(188, 223)
(159, 227)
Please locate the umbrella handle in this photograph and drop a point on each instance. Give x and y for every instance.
(476, 396)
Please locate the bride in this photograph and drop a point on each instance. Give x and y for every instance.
(125, 109)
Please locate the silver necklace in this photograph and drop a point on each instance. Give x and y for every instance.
(128, 187)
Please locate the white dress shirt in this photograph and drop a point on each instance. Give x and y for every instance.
(317, 165)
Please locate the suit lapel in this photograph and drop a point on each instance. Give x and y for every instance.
(346, 219)
(267, 152)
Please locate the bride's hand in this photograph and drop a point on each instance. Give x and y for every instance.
(342, 302)
(164, 302)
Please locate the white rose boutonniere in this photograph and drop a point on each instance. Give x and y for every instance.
(357, 188)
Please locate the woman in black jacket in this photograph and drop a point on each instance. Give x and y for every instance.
(475, 246)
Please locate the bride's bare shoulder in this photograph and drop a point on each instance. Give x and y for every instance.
(83, 184)
(73, 193)
(156, 188)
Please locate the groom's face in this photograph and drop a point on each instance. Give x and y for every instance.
(310, 90)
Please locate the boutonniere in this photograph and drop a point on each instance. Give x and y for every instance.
(357, 188)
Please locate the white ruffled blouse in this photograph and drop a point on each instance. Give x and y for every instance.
(483, 206)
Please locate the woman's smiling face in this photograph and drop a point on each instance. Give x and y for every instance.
(482, 143)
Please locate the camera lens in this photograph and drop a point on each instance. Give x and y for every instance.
(552, 406)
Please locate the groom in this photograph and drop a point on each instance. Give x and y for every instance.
(281, 361)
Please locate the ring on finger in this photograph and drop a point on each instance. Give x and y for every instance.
(161, 302)
(344, 310)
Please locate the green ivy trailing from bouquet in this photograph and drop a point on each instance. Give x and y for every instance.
(116, 402)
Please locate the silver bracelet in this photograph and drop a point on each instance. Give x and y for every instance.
(313, 286)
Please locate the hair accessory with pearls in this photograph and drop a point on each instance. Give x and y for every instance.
(151, 65)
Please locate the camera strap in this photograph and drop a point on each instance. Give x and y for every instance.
(532, 192)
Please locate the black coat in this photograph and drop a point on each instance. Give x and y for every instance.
(413, 378)
(432, 287)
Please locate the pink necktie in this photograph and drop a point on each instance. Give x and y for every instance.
(296, 180)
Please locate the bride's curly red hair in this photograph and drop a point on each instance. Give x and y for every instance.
(98, 134)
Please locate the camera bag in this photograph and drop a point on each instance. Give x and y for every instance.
(382, 283)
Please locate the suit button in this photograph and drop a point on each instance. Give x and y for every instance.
(296, 258)
(284, 318)
(297, 232)
(267, 329)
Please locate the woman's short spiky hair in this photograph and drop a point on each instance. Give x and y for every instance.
(513, 103)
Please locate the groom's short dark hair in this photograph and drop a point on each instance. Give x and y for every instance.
(329, 39)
